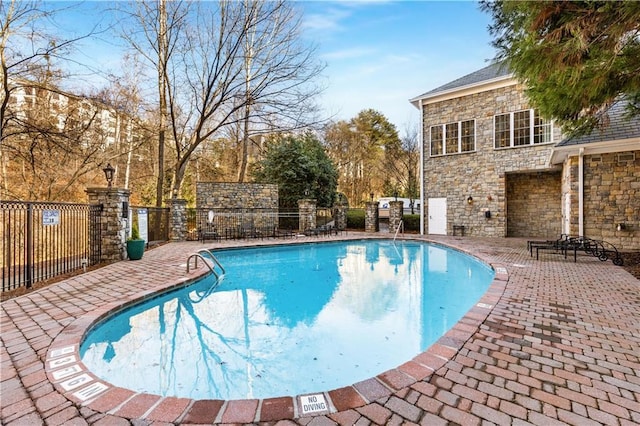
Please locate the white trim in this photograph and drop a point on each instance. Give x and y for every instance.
(561, 153)
(469, 89)
(421, 142)
(581, 192)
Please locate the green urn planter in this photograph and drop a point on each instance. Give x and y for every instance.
(135, 249)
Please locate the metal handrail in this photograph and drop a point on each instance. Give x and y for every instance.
(210, 254)
(196, 256)
(400, 225)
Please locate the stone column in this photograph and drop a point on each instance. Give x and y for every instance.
(114, 221)
(307, 213)
(177, 219)
(396, 213)
(371, 223)
(340, 215)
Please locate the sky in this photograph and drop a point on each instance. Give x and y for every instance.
(378, 54)
(381, 54)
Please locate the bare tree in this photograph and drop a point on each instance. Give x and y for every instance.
(154, 34)
(403, 164)
(226, 63)
(42, 127)
(279, 74)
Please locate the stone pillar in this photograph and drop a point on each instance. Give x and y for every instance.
(307, 213)
(396, 213)
(114, 221)
(177, 219)
(371, 223)
(340, 215)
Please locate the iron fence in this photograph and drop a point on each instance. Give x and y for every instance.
(41, 240)
(236, 222)
(156, 222)
(230, 223)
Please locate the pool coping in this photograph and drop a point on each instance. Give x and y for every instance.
(71, 378)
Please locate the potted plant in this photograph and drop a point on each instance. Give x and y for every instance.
(135, 244)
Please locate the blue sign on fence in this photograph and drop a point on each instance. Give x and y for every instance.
(50, 217)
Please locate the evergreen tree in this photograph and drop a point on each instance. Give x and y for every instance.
(576, 58)
(301, 168)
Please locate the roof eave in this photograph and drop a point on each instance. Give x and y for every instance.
(561, 153)
(477, 87)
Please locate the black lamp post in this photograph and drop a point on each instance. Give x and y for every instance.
(108, 174)
(371, 195)
(395, 194)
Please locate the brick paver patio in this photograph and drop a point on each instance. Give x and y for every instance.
(552, 342)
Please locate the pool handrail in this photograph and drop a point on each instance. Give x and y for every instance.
(196, 256)
(210, 254)
(400, 225)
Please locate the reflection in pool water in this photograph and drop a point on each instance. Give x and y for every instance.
(289, 320)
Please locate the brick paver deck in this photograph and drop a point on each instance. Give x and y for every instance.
(552, 342)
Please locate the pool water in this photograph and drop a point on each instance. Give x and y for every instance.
(289, 320)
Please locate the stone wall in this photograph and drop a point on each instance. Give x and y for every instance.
(611, 197)
(534, 205)
(216, 195)
(479, 174)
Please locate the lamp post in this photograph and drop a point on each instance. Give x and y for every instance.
(371, 195)
(108, 174)
(395, 194)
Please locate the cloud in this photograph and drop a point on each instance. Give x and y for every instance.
(327, 21)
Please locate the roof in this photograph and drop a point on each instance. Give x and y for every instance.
(619, 127)
(622, 133)
(495, 71)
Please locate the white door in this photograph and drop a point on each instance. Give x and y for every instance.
(438, 216)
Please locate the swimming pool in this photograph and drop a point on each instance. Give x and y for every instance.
(289, 320)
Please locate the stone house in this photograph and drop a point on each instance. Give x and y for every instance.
(491, 166)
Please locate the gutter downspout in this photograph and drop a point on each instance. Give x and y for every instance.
(420, 141)
(581, 192)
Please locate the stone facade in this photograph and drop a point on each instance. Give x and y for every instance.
(482, 173)
(612, 197)
(589, 188)
(215, 195)
(533, 204)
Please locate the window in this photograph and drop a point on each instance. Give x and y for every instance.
(453, 138)
(436, 140)
(468, 136)
(520, 128)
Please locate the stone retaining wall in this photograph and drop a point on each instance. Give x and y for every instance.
(236, 195)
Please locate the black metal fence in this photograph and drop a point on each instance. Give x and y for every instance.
(240, 223)
(237, 222)
(41, 240)
(157, 222)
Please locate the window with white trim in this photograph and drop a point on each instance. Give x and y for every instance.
(520, 128)
(453, 138)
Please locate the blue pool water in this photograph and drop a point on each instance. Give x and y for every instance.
(289, 320)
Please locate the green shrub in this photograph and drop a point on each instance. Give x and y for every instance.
(411, 222)
(135, 232)
(355, 219)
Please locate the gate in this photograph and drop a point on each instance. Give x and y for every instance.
(41, 240)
